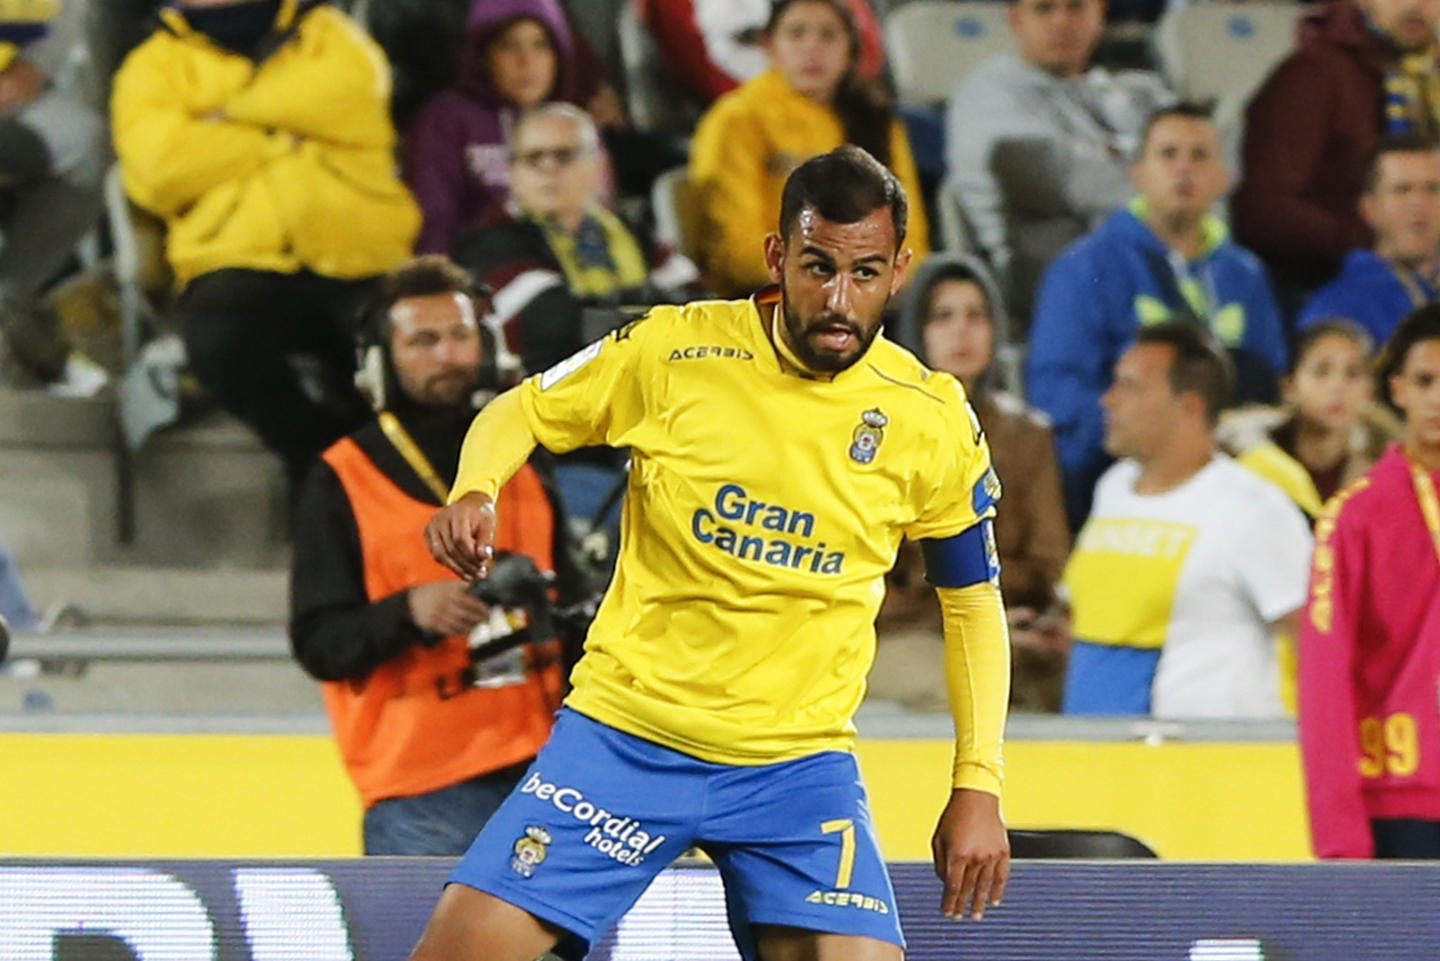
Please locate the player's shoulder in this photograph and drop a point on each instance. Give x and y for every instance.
(901, 373)
(1353, 503)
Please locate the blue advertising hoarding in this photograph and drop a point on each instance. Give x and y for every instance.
(373, 910)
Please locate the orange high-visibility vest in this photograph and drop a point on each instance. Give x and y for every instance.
(417, 724)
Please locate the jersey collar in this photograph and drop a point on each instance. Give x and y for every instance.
(784, 359)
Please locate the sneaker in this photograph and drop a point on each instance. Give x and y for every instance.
(82, 377)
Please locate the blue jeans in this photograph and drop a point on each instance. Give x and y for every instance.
(439, 823)
(14, 606)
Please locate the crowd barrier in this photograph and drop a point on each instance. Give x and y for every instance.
(360, 910)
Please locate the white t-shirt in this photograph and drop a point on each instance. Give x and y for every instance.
(1201, 572)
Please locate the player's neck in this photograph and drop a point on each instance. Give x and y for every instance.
(1183, 233)
(1173, 467)
(783, 348)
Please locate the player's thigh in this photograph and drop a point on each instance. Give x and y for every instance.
(471, 924)
(797, 848)
(596, 817)
(795, 944)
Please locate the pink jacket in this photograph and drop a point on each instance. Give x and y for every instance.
(1370, 663)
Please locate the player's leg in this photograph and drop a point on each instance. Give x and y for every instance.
(596, 817)
(803, 873)
(471, 924)
(776, 943)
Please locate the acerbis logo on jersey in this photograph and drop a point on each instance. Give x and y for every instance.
(622, 838)
(700, 352)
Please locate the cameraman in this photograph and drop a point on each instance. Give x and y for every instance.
(432, 739)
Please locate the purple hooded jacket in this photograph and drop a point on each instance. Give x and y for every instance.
(456, 154)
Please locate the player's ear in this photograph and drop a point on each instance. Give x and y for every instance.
(902, 270)
(775, 257)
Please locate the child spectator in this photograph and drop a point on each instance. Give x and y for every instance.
(517, 55)
(812, 99)
(1328, 433)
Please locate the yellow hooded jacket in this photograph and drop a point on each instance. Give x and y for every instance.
(279, 165)
(744, 149)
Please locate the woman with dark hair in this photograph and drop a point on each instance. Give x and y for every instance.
(1328, 432)
(456, 154)
(811, 100)
(952, 318)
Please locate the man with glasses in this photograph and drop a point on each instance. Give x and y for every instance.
(556, 251)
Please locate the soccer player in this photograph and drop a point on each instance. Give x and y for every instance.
(1370, 639)
(781, 450)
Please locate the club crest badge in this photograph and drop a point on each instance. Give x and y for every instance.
(865, 441)
(530, 850)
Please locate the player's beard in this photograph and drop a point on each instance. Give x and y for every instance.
(798, 333)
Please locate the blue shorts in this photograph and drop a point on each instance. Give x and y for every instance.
(601, 812)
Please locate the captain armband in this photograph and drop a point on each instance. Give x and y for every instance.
(969, 557)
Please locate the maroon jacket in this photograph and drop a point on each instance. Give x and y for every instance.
(1309, 132)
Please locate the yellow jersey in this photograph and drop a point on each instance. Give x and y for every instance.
(764, 508)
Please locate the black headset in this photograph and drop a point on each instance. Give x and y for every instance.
(375, 373)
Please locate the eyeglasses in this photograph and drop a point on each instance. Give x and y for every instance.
(563, 156)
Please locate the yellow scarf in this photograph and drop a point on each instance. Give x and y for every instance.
(600, 259)
(1412, 95)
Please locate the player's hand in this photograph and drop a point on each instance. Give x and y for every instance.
(972, 853)
(461, 536)
(444, 609)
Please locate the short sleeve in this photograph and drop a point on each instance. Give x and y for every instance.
(956, 485)
(1272, 559)
(596, 395)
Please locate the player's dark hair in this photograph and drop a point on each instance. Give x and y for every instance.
(1199, 365)
(1185, 109)
(1321, 329)
(845, 185)
(863, 105)
(1393, 144)
(1419, 325)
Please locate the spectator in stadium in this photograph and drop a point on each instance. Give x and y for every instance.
(1164, 256)
(812, 99)
(1213, 558)
(52, 157)
(713, 46)
(260, 132)
(713, 705)
(517, 55)
(555, 252)
(433, 742)
(1370, 641)
(953, 318)
(1362, 69)
(1400, 270)
(1038, 143)
(1328, 432)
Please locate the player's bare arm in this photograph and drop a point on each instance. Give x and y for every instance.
(972, 853)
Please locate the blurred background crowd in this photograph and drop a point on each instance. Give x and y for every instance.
(198, 201)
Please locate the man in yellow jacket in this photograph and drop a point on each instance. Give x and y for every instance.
(260, 131)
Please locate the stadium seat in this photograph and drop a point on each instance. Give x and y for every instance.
(1069, 843)
(655, 102)
(1224, 51)
(933, 44)
(673, 211)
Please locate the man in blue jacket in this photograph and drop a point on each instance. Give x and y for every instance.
(1163, 257)
(1401, 270)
